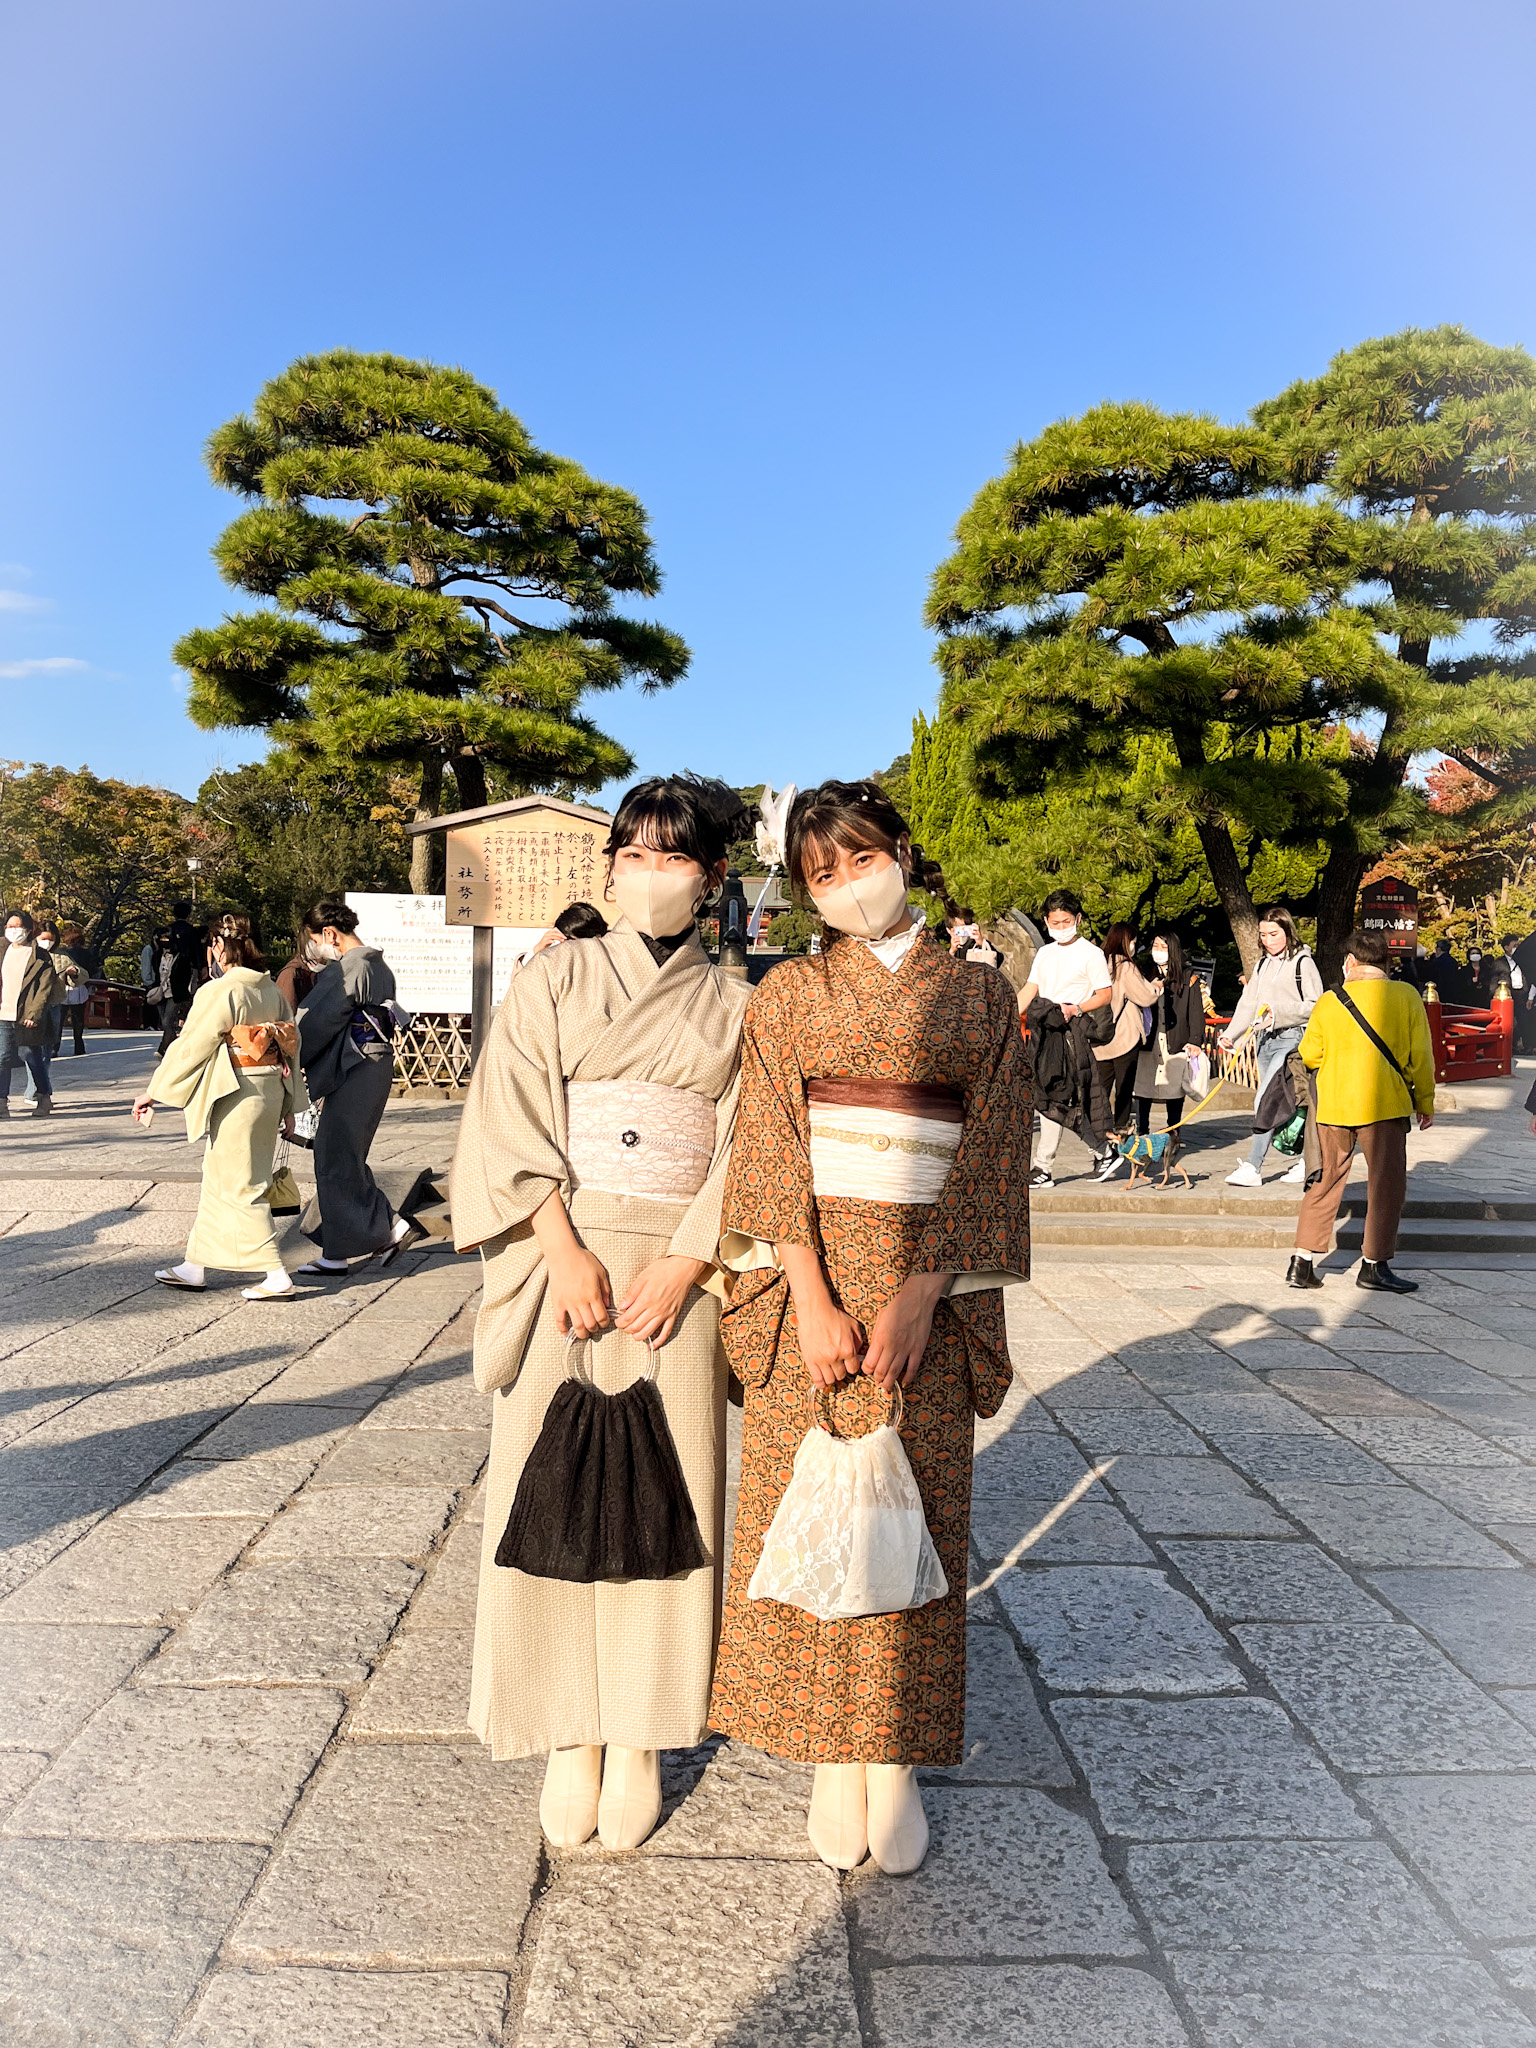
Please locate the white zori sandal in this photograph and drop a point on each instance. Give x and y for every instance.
(276, 1287)
(181, 1276)
(323, 1269)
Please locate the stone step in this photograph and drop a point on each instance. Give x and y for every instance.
(1173, 1226)
(1443, 1233)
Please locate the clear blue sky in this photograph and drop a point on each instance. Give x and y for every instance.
(798, 275)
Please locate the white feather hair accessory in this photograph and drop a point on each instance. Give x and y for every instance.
(772, 821)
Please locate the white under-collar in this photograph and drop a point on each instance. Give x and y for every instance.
(890, 952)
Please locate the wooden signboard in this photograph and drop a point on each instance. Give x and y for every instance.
(523, 869)
(1392, 907)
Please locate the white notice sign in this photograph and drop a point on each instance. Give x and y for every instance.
(431, 960)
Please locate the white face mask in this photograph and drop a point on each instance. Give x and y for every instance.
(323, 954)
(1063, 935)
(657, 901)
(46, 944)
(867, 908)
(1160, 956)
(17, 937)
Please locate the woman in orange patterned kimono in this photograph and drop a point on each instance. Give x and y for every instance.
(877, 1201)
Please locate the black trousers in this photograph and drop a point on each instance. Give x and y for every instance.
(1175, 1110)
(1118, 1079)
(173, 1015)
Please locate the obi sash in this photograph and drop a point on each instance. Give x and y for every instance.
(263, 1045)
(638, 1138)
(883, 1141)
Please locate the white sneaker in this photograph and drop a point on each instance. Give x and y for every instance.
(1246, 1176)
(1297, 1175)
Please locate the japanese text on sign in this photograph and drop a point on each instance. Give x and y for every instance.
(524, 870)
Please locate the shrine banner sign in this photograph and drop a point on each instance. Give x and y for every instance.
(523, 869)
(1392, 907)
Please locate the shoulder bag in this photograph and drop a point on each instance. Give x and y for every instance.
(1380, 1044)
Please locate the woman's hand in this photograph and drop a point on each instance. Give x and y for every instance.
(142, 1104)
(655, 1299)
(580, 1291)
(831, 1343)
(901, 1332)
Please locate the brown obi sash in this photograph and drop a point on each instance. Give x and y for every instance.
(934, 1100)
(263, 1045)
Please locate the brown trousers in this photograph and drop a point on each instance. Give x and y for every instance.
(1385, 1146)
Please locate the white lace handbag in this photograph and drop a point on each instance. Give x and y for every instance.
(849, 1536)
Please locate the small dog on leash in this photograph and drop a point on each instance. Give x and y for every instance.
(1154, 1157)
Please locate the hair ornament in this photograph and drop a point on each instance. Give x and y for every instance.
(773, 816)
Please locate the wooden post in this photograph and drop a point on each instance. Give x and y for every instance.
(1436, 1033)
(480, 990)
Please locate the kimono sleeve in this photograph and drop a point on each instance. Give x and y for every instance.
(200, 1039)
(980, 1224)
(510, 1155)
(698, 1235)
(769, 1195)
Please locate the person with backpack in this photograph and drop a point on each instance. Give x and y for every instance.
(181, 974)
(1369, 1044)
(1280, 994)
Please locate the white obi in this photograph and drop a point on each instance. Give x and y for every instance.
(638, 1138)
(880, 1155)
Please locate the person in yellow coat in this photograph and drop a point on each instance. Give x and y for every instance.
(235, 1071)
(1370, 1047)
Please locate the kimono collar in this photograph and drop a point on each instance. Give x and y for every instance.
(633, 947)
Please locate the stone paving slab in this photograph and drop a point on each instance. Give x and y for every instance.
(1385, 1525)
(420, 1855)
(1397, 2002)
(1006, 1737)
(103, 1944)
(447, 1597)
(294, 1621)
(1116, 1630)
(1088, 1531)
(1485, 1624)
(967, 1901)
(1272, 1461)
(288, 1430)
(1183, 1771)
(729, 1953)
(1409, 1441)
(53, 1678)
(359, 1521)
(421, 1690)
(1285, 1898)
(1174, 1497)
(1047, 2005)
(349, 2009)
(1474, 1839)
(1384, 1700)
(19, 1770)
(1339, 1393)
(1272, 1582)
(408, 1457)
(256, 1487)
(132, 1572)
(727, 1799)
(1482, 1496)
(163, 1764)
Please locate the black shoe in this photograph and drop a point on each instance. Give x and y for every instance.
(1040, 1178)
(1377, 1276)
(1299, 1273)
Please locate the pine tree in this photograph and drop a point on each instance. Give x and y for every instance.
(394, 631)
(1427, 439)
(1136, 574)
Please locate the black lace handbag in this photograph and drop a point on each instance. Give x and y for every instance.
(602, 1495)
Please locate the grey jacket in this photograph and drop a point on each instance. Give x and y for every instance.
(326, 1051)
(1290, 987)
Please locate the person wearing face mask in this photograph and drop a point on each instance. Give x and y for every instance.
(590, 1165)
(30, 986)
(346, 1047)
(1069, 979)
(1285, 985)
(1178, 1023)
(877, 1202)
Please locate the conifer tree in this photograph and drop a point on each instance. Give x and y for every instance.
(398, 628)
(1428, 440)
(1134, 574)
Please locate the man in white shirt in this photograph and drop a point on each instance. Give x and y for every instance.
(1072, 973)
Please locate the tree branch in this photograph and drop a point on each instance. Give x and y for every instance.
(489, 604)
(1477, 768)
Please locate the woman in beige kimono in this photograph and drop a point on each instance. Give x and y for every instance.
(588, 1174)
(234, 1070)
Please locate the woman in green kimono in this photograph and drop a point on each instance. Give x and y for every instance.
(234, 1070)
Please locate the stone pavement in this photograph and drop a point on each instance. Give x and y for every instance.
(1251, 1744)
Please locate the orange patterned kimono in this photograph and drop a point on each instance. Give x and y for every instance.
(884, 1688)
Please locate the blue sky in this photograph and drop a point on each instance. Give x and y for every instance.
(797, 275)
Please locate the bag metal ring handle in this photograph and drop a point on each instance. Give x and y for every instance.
(574, 1343)
(894, 1416)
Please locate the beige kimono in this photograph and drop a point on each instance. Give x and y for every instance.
(625, 1662)
(239, 1110)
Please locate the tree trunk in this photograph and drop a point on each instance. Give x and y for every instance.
(428, 804)
(1227, 874)
(1337, 888)
(469, 774)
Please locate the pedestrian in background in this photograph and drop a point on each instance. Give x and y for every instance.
(233, 1068)
(181, 974)
(1132, 999)
(81, 968)
(346, 1042)
(1178, 1023)
(29, 987)
(1519, 987)
(298, 974)
(1067, 978)
(1279, 997)
(1370, 1047)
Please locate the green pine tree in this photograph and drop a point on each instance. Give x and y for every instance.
(397, 629)
(1135, 575)
(1427, 439)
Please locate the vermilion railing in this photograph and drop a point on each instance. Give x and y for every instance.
(1471, 1044)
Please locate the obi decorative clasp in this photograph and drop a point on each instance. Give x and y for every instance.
(639, 1138)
